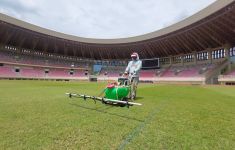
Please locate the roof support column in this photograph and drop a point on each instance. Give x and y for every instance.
(45, 47)
(171, 60)
(1, 46)
(66, 51)
(195, 58)
(227, 55)
(182, 60)
(210, 56)
(227, 48)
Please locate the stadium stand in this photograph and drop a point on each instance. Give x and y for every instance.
(42, 67)
(112, 71)
(21, 58)
(19, 65)
(188, 71)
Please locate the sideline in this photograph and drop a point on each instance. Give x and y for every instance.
(136, 131)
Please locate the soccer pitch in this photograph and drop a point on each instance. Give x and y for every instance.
(38, 115)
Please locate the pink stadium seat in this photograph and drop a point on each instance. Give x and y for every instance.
(147, 73)
(168, 73)
(113, 75)
(232, 73)
(32, 72)
(78, 73)
(187, 71)
(192, 72)
(7, 72)
(58, 73)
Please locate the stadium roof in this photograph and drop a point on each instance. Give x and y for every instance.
(212, 27)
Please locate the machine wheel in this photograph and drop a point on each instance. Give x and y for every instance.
(123, 99)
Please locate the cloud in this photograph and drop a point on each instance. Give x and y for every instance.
(102, 18)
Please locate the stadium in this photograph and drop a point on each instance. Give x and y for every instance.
(186, 86)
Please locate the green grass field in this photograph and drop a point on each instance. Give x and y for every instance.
(38, 115)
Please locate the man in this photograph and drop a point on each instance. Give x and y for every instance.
(132, 70)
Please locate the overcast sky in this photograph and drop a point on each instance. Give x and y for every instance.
(102, 18)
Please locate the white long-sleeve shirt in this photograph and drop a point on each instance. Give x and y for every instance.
(134, 67)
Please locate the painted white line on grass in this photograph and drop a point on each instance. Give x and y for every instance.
(136, 131)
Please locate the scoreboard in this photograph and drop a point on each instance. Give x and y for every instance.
(150, 63)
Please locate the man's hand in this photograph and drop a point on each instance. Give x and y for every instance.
(125, 74)
(134, 73)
